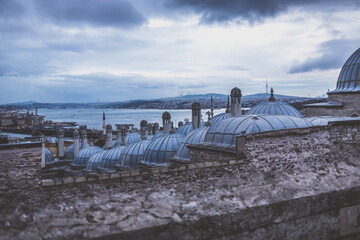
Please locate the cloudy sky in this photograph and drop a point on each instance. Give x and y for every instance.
(114, 50)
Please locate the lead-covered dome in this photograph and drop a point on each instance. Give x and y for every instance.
(187, 128)
(160, 150)
(84, 155)
(225, 131)
(132, 155)
(195, 137)
(349, 77)
(93, 163)
(109, 159)
(220, 117)
(273, 107)
(48, 156)
(69, 152)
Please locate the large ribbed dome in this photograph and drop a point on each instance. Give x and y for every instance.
(48, 156)
(225, 131)
(84, 155)
(195, 137)
(93, 163)
(349, 77)
(109, 159)
(132, 155)
(160, 150)
(187, 128)
(69, 152)
(273, 107)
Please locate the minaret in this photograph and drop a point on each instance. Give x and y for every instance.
(166, 122)
(104, 124)
(60, 144)
(143, 129)
(84, 143)
(212, 107)
(109, 142)
(235, 102)
(196, 115)
(228, 105)
(76, 142)
(272, 98)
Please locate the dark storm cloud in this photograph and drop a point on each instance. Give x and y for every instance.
(116, 13)
(333, 54)
(213, 11)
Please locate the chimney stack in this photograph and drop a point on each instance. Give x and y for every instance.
(118, 132)
(166, 122)
(104, 124)
(124, 132)
(235, 102)
(196, 115)
(143, 129)
(83, 134)
(60, 144)
(109, 142)
(76, 142)
(156, 128)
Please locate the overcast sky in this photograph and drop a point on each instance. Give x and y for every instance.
(114, 50)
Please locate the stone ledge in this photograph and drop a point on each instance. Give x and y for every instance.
(47, 182)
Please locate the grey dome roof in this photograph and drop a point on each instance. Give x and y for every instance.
(274, 108)
(84, 155)
(187, 128)
(197, 136)
(220, 117)
(48, 156)
(225, 131)
(132, 155)
(69, 152)
(157, 135)
(109, 159)
(349, 77)
(160, 150)
(93, 162)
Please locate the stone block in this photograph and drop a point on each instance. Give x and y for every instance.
(182, 168)
(208, 164)
(80, 179)
(216, 164)
(125, 174)
(68, 180)
(155, 170)
(200, 165)
(114, 175)
(47, 182)
(350, 220)
(134, 173)
(191, 166)
(164, 169)
(232, 162)
(103, 176)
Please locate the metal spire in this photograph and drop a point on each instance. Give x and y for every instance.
(228, 105)
(272, 98)
(212, 107)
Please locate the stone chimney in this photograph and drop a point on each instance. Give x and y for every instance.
(143, 129)
(196, 115)
(166, 122)
(42, 140)
(60, 144)
(109, 141)
(180, 124)
(84, 142)
(235, 102)
(76, 142)
(124, 133)
(156, 128)
(118, 132)
(104, 124)
(150, 128)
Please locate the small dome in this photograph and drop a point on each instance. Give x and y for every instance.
(225, 131)
(93, 162)
(166, 115)
(349, 77)
(109, 159)
(197, 136)
(220, 117)
(48, 156)
(160, 150)
(84, 155)
(273, 107)
(235, 92)
(187, 128)
(69, 152)
(133, 137)
(132, 155)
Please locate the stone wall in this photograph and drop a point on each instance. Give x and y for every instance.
(202, 154)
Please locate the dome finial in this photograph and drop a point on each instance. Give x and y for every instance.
(272, 98)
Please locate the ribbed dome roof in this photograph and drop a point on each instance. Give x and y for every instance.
(349, 77)
(197, 136)
(84, 155)
(273, 107)
(93, 162)
(187, 128)
(69, 152)
(160, 150)
(132, 155)
(225, 131)
(48, 156)
(109, 159)
(220, 117)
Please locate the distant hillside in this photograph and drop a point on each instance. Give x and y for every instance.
(180, 102)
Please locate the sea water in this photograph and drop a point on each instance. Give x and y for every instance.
(93, 118)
